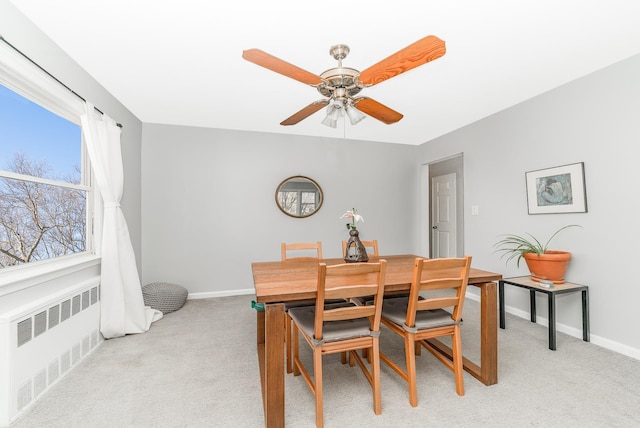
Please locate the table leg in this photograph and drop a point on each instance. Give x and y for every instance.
(270, 337)
(552, 321)
(488, 334)
(260, 328)
(501, 303)
(532, 304)
(585, 315)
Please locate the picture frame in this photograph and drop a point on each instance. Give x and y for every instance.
(560, 189)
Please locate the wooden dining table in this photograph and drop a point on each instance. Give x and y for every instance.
(285, 281)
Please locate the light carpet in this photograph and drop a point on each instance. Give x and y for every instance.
(197, 367)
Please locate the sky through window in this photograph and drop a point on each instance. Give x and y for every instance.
(53, 140)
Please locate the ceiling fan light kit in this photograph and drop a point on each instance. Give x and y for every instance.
(340, 85)
(337, 109)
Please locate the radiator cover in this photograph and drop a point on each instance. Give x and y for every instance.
(41, 339)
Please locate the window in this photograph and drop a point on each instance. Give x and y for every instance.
(44, 184)
(309, 202)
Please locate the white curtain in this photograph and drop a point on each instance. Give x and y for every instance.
(122, 306)
(21, 76)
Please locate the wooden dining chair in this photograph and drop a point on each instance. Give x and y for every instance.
(301, 251)
(298, 251)
(370, 246)
(437, 284)
(330, 330)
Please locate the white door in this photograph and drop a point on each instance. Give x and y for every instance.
(443, 216)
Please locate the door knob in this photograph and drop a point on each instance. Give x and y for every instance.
(434, 227)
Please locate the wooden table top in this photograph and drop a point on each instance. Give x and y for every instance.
(280, 281)
(527, 282)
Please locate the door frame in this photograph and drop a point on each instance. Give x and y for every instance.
(451, 164)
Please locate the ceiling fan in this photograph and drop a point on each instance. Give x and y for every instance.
(340, 85)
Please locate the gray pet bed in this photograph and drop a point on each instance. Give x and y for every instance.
(164, 296)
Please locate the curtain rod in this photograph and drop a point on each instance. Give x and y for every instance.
(50, 75)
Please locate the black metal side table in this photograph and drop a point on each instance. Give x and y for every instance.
(551, 290)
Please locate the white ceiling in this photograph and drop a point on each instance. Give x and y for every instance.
(180, 62)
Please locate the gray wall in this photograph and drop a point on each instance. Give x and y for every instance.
(209, 201)
(22, 34)
(595, 120)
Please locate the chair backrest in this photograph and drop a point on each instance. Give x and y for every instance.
(438, 274)
(370, 246)
(307, 251)
(345, 281)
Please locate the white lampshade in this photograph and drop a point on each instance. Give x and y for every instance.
(354, 114)
(329, 122)
(333, 113)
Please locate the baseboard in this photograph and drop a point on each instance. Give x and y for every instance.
(571, 331)
(209, 294)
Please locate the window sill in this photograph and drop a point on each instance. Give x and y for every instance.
(25, 276)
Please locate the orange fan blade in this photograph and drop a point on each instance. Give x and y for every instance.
(305, 112)
(418, 53)
(377, 110)
(266, 60)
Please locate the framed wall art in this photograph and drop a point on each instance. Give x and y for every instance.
(557, 190)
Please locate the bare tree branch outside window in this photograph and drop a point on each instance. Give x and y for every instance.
(288, 201)
(39, 221)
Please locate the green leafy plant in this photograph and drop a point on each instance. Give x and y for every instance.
(515, 246)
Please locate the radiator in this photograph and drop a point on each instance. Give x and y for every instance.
(42, 339)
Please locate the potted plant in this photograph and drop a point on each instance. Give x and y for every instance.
(544, 264)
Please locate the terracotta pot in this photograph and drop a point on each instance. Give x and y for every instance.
(550, 266)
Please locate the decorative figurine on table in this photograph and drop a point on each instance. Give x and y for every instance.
(355, 251)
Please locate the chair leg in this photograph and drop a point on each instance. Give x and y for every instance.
(410, 352)
(456, 345)
(296, 369)
(287, 341)
(317, 378)
(375, 374)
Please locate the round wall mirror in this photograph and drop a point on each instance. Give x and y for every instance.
(299, 196)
